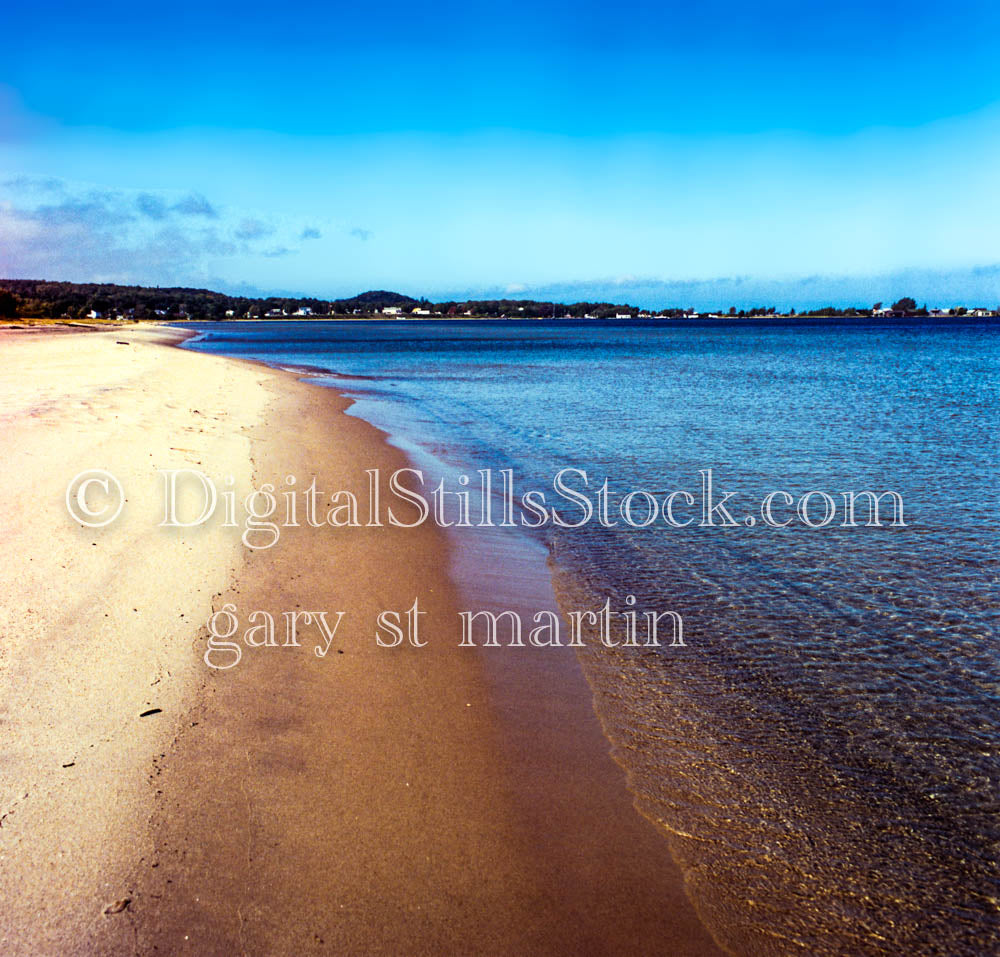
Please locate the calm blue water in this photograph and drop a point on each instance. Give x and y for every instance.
(823, 756)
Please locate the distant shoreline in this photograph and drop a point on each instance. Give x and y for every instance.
(40, 299)
(66, 325)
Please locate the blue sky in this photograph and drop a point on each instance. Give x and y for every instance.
(636, 150)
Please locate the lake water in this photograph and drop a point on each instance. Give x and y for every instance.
(822, 755)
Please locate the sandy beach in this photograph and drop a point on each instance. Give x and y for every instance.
(371, 801)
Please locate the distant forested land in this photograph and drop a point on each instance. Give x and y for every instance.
(35, 298)
(31, 298)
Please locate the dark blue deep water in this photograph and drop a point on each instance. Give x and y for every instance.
(823, 755)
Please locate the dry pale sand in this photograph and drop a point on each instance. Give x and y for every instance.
(380, 801)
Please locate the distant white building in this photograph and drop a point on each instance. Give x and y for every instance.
(94, 314)
(421, 312)
(303, 311)
(391, 311)
(276, 312)
(623, 315)
(979, 313)
(230, 312)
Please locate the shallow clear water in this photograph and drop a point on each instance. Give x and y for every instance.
(823, 755)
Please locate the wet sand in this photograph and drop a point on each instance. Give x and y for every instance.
(375, 800)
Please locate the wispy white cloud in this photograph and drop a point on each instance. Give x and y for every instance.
(152, 207)
(50, 228)
(195, 205)
(251, 228)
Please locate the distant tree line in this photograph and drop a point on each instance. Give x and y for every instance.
(53, 300)
(29, 298)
